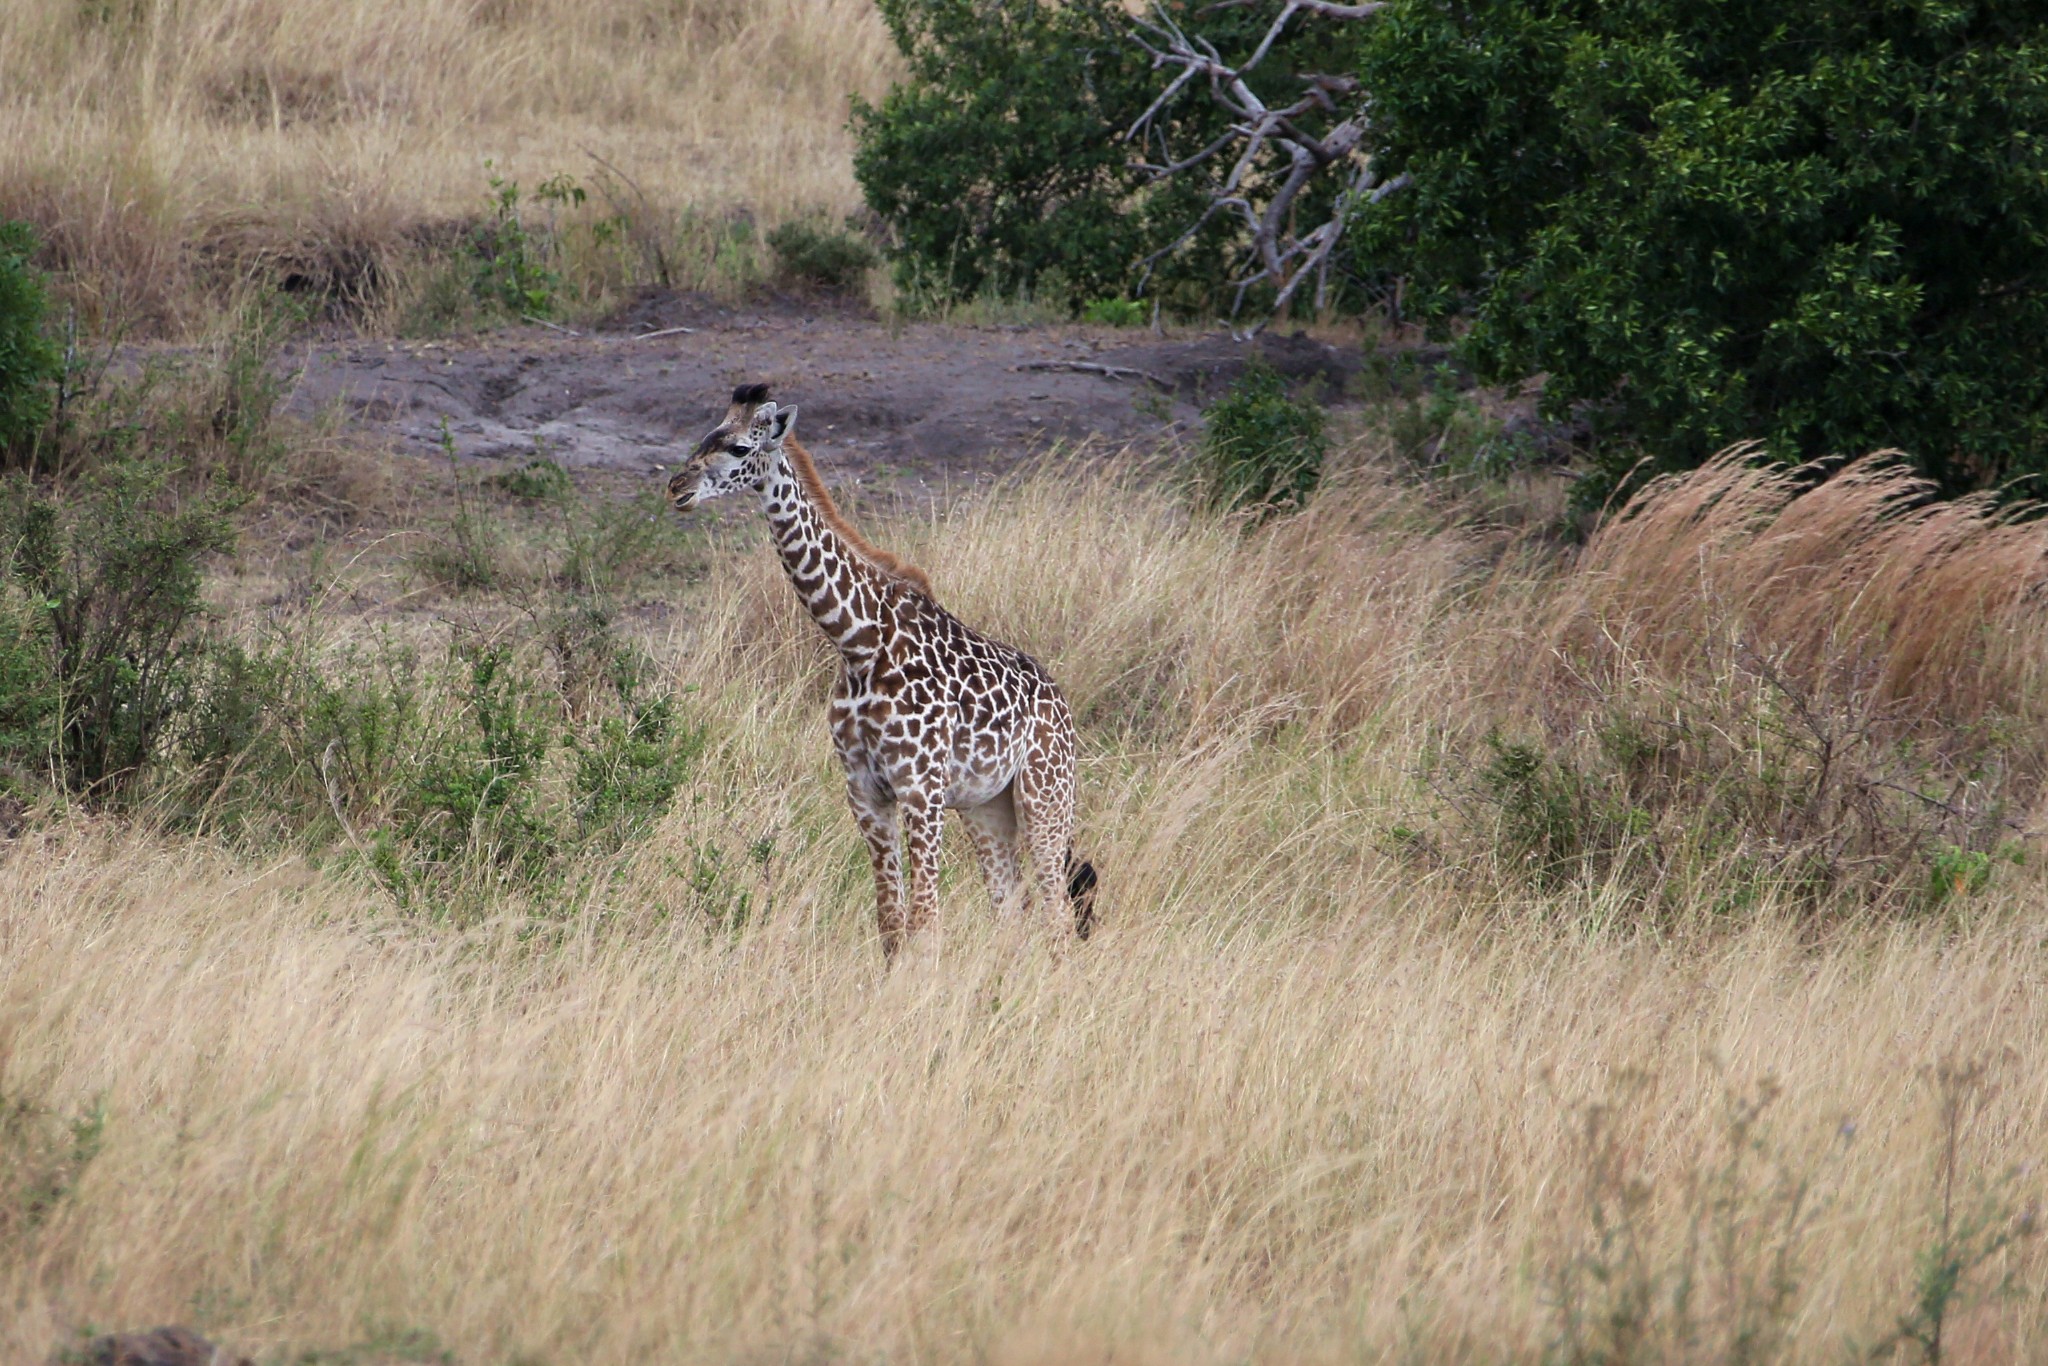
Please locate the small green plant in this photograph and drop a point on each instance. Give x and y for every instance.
(242, 393)
(513, 266)
(628, 772)
(464, 556)
(1261, 449)
(1971, 1229)
(810, 254)
(30, 698)
(1955, 872)
(538, 481)
(29, 360)
(1433, 425)
(469, 805)
(1114, 312)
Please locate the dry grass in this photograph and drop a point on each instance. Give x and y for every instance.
(1870, 583)
(163, 146)
(1300, 1100)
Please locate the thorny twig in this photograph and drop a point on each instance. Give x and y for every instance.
(1280, 255)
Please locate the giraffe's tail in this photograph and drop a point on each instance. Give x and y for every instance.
(1081, 891)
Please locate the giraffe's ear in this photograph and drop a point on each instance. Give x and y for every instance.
(781, 422)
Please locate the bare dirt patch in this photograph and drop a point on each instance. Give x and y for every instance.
(897, 405)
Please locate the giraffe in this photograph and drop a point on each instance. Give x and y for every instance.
(927, 713)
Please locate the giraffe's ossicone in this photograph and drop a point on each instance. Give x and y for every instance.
(927, 713)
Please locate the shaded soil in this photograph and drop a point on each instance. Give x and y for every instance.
(910, 404)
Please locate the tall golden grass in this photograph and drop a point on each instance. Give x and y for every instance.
(161, 144)
(1870, 581)
(1303, 1098)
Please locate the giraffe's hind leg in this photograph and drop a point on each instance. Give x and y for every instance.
(1045, 807)
(993, 828)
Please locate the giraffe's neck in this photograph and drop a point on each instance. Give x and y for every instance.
(837, 587)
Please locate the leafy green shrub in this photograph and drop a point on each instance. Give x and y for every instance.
(30, 699)
(513, 265)
(29, 360)
(1819, 227)
(1261, 448)
(628, 772)
(1000, 157)
(1114, 312)
(115, 573)
(1446, 432)
(812, 255)
(214, 413)
(472, 799)
(464, 556)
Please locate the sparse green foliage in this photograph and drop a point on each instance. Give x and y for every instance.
(515, 268)
(30, 699)
(42, 1156)
(1437, 428)
(1748, 777)
(29, 360)
(115, 575)
(1953, 872)
(538, 480)
(464, 554)
(1261, 449)
(1972, 1227)
(811, 254)
(1726, 1287)
(1816, 225)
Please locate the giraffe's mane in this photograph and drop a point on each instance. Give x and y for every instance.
(894, 566)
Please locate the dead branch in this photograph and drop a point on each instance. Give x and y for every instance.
(1090, 368)
(1278, 156)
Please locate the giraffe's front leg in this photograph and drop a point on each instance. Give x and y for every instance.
(878, 826)
(923, 819)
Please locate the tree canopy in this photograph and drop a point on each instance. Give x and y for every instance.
(1818, 224)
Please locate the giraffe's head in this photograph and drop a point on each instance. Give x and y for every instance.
(738, 454)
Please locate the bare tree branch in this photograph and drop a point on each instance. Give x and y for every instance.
(1278, 156)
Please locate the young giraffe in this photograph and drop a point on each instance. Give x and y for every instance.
(927, 714)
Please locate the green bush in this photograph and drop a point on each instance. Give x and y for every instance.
(999, 164)
(30, 700)
(1261, 449)
(114, 572)
(812, 255)
(1819, 225)
(514, 269)
(29, 361)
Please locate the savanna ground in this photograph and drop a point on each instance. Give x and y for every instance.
(1510, 950)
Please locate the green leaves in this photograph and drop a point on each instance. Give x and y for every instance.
(999, 163)
(29, 360)
(1818, 225)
